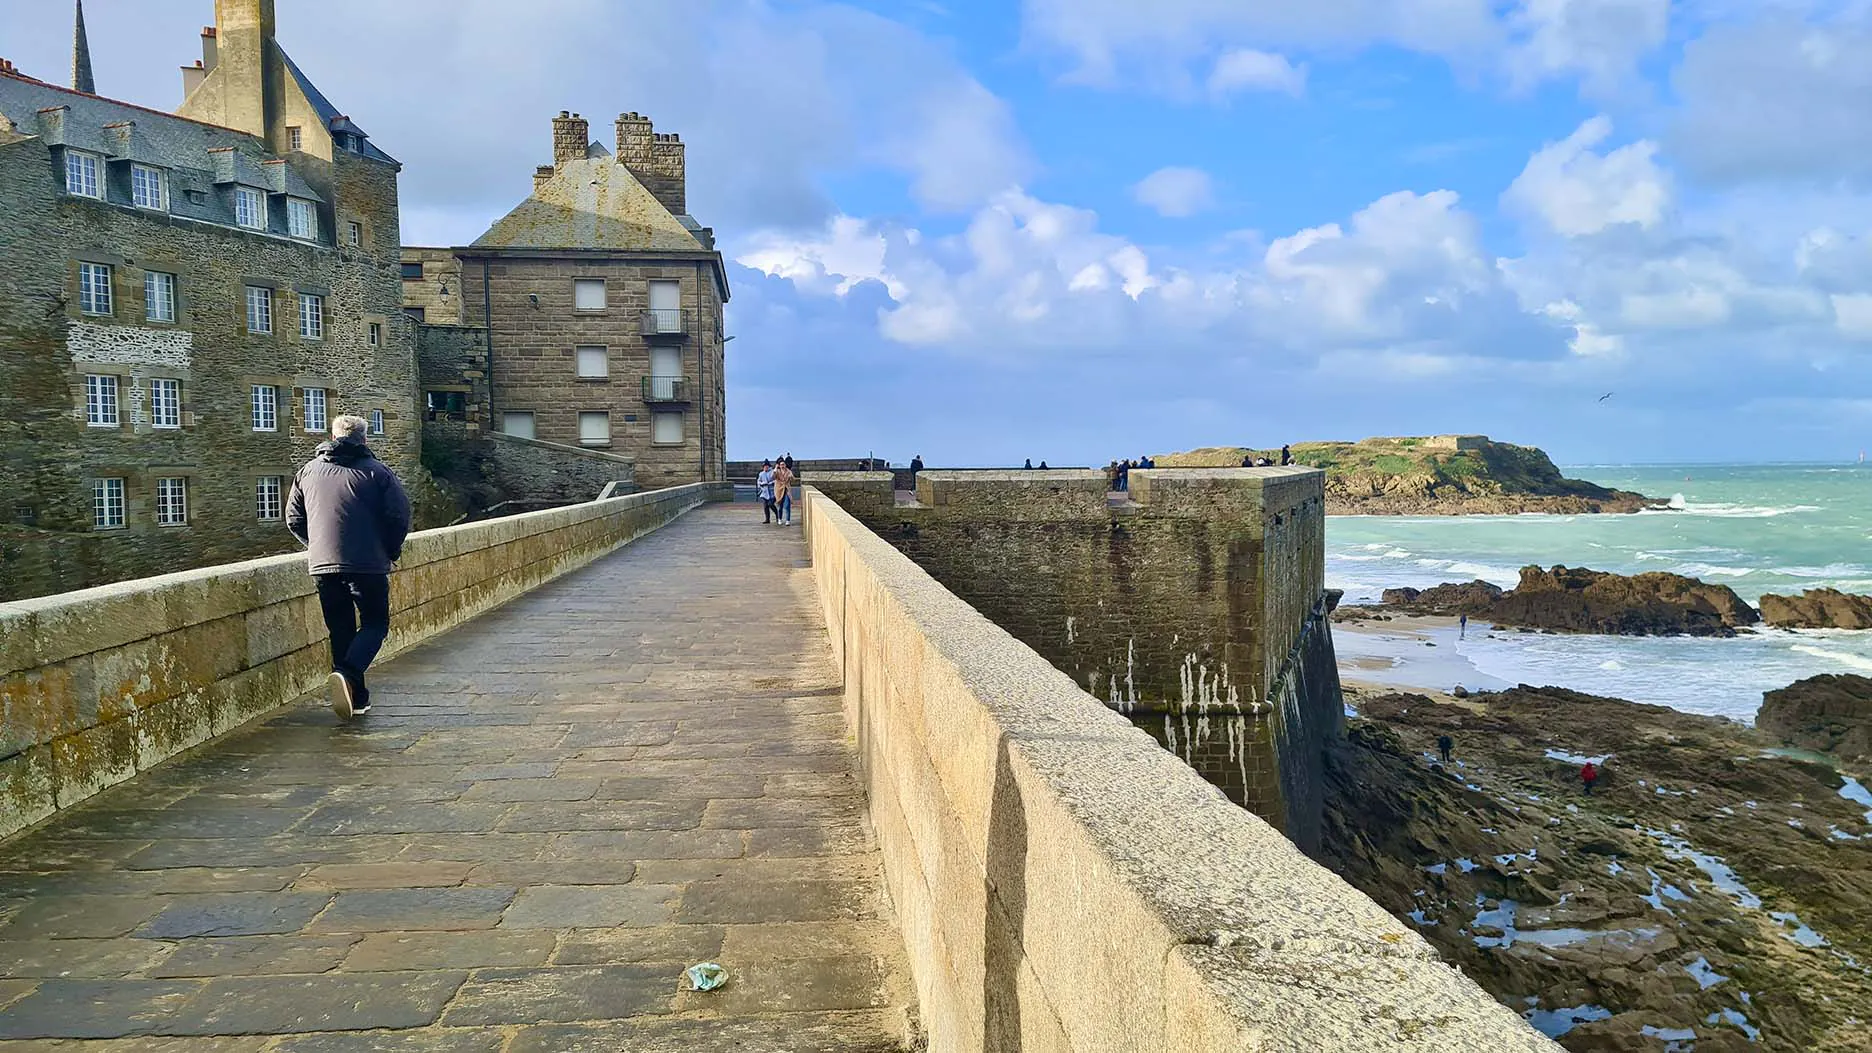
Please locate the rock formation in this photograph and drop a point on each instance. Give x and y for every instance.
(1578, 600)
(1831, 714)
(1475, 597)
(1818, 609)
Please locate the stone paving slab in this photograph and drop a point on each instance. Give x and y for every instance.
(551, 812)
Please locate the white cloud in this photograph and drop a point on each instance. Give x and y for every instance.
(1601, 41)
(1176, 192)
(1853, 314)
(1577, 191)
(1247, 69)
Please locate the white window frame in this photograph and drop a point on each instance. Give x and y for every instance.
(312, 409)
(103, 400)
(149, 188)
(594, 416)
(592, 352)
(269, 498)
(376, 423)
(107, 504)
(264, 402)
(375, 333)
(583, 302)
(159, 300)
(165, 401)
(509, 417)
(83, 174)
(656, 419)
(250, 208)
(311, 316)
(354, 234)
(295, 138)
(94, 288)
(259, 309)
(172, 501)
(301, 219)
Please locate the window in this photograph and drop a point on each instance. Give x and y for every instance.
(354, 234)
(265, 407)
(250, 208)
(100, 401)
(518, 424)
(314, 404)
(414, 314)
(158, 296)
(94, 288)
(81, 174)
(311, 316)
(259, 309)
(593, 363)
(412, 272)
(588, 294)
(665, 307)
(376, 333)
(595, 429)
(301, 221)
(147, 189)
(171, 502)
(107, 503)
(165, 403)
(666, 428)
(267, 503)
(294, 140)
(376, 422)
(446, 405)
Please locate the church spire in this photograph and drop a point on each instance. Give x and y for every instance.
(81, 56)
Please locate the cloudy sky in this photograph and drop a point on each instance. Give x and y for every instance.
(983, 230)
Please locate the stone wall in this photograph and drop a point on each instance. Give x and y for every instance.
(1183, 605)
(98, 685)
(488, 468)
(1062, 883)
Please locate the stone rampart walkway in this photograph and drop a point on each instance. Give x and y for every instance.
(550, 813)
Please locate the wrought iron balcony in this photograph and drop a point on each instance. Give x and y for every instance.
(663, 325)
(666, 389)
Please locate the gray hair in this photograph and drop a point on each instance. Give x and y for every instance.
(346, 426)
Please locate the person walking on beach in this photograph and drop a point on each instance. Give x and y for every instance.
(1444, 745)
(1589, 775)
(351, 513)
(763, 485)
(783, 494)
(1462, 627)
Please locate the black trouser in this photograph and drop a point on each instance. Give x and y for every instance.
(357, 611)
(769, 511)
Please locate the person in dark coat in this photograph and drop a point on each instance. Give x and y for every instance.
(916, 463)
(350, 512)
(1444, 745)
(1286, 456)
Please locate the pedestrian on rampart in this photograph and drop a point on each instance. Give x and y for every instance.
(783, 492)
(350, 512)
(764, 487)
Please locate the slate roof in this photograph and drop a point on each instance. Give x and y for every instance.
(201, 158)
(591, 203)
(328, 113)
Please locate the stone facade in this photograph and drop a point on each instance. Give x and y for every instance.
(635, 368)
(155, 381)
(492, 470)
(1196, 607)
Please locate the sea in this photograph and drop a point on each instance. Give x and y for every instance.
(1758, 528)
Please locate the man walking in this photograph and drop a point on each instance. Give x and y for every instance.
(764, 486)
(351, 514)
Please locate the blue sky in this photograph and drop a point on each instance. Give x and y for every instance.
(1083, 229)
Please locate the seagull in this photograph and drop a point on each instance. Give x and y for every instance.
(1605, 396)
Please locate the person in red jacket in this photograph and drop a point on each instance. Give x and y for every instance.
(1589, 775)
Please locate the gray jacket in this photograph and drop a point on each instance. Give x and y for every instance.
(348, 510)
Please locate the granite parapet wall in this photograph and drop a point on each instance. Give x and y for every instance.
(1062, 883)
(98, 685)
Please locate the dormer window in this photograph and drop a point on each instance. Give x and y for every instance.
(148, 189)
(250, 208)
(81, 174)
(301, 221)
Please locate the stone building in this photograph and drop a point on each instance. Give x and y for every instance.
(186, 300)
(598, 304)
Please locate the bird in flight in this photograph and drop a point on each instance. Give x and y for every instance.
(1605, 396)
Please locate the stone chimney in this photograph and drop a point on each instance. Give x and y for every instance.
(655, 159)
(240, 88)
(192, 77)
(207, 49)
(541, 176)
(571, 137)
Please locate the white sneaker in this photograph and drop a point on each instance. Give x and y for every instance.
(339, 689)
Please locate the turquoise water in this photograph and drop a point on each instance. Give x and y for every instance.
(1755, 528)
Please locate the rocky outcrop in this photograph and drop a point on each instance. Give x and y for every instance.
(1575, 599)
(1830, 714)
(1818, 609)
(1475, 597)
